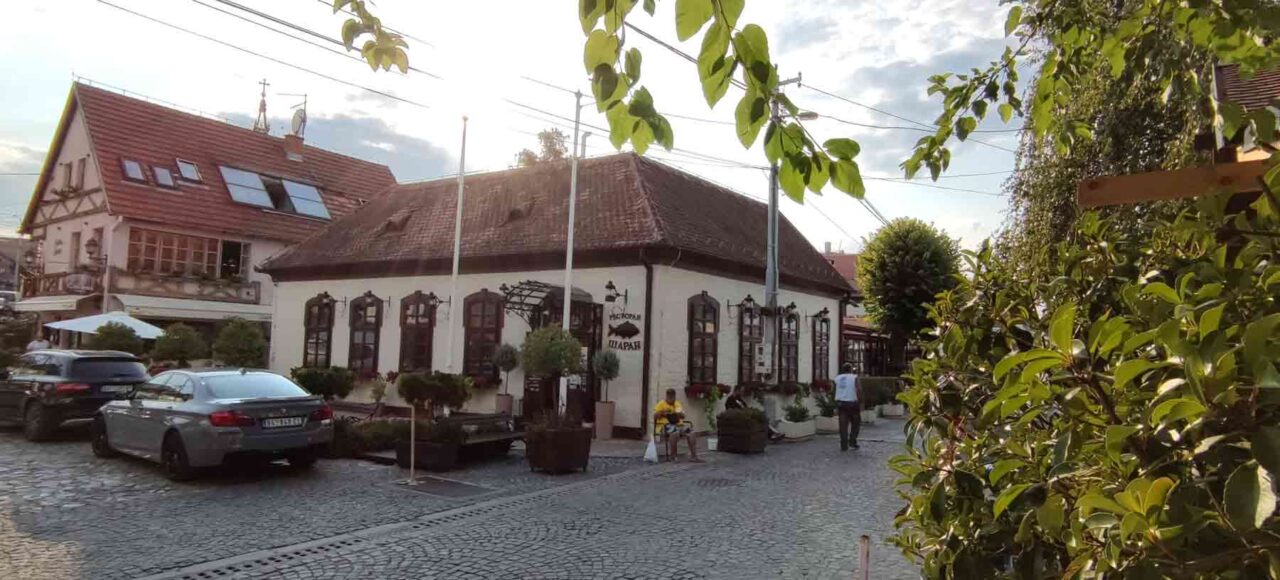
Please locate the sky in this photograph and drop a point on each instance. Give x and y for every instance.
(878, 54)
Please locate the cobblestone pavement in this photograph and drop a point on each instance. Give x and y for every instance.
(794, 512)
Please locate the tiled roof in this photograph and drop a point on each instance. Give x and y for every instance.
(122, 127)
(1256, 91)
(846, 265)
(624, 202)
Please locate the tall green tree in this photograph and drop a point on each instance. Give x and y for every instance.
(902, 268)
(241, 343)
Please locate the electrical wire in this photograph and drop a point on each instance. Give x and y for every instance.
(272, 59)
(927, 126)
(341, 53)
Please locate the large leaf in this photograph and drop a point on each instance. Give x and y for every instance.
(691, 15)
(847, 178)
(1265, 443)
(1003, 467)
(791, 179)
(750, 116)
(1013, 19)
(1129, 369)
(1007, 497)
(752, 48)
(632, 64)
(1061, 327)
(715, 67)
(1256, 336)
(1211, 320)
(601, 48)
(1248, 497)
(842, 148)
(1096, 501)
(1156, 495)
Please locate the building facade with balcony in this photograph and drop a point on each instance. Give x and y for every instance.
(166, 215)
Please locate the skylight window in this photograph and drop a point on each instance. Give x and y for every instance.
(164, 177)
(189, 171)
(273, 193)
(133, 170)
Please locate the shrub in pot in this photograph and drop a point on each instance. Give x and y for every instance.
(605, 364)
(327, 382)
(742, 431)
(826, 421)
(797, 423)
(427, 392)
(557, 443)
(435, 447)
(506, 358)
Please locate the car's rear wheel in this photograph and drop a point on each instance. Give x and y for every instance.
(304, 458)
(38, 423)
(173, 459)
(101, 445)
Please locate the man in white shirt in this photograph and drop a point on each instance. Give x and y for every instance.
(848, 406)
(38, 343)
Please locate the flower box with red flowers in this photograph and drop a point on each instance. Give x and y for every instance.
(823, 386)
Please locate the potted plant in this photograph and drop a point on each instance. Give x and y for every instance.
(797, 424)
(826, 421)
(605, 364)
(742, 431)
(427, 392)
(328, 382)
(556, 441)
(435, 446)
(506, 358)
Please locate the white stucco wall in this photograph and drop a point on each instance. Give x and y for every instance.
(674, 286)
(287, 324)
(56, 250)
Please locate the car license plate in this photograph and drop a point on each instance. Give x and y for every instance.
(282, 422)
(115, 388)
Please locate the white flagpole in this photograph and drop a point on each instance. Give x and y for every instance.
(568, 252)
(454, 303)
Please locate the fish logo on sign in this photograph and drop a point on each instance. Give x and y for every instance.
(626, 330)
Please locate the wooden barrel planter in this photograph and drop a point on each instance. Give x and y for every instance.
(558, 450)
(739, 441)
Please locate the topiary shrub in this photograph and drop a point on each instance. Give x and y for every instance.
(429, 391)
(605, 364)
(179, 343)
(506, 358)
(551, 351)
(328, 382)
(116, 336)
(240, 343)
(1116, 419)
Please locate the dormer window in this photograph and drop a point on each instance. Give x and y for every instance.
(164, 177)
(189, 171)
(274, 193)
(133, 171)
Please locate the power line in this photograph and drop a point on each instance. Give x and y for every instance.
(927, 126)
(263, 56)
(303, 30)
(281, 32)
(932, 186)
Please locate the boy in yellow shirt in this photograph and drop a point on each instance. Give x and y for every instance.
(668, 419)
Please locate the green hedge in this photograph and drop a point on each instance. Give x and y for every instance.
(880, 390)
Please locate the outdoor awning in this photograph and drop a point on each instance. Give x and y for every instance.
(91, 324)
(530, 298)
(50, 303)
(181, 309)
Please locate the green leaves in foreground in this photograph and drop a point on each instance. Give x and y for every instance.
(730, 53)
(1120, 406)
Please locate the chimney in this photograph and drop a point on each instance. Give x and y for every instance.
(826, 247)
(293, 147)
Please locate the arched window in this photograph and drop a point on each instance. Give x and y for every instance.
(366, 322)
(317, 326)
(789, 349)
(482, 315)
(704, 331)
(750, 331)
(821, 348)
(417, 327)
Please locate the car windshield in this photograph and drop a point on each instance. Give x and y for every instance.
(107, 369)
(251, 386)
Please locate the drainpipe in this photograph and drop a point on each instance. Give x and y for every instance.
(106, 265)
(648, 341)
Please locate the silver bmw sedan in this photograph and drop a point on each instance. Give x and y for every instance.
(190, 419)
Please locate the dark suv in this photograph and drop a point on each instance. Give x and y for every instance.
(48, 387)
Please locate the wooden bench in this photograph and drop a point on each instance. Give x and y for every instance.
(488, 436)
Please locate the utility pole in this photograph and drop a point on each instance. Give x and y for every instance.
(772, 321)
(568, 252)
(457, 250)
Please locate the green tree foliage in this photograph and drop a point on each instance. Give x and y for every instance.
(551, 351)
(901, 269)
(328, 382)
(605, 364)
(506, 358)
(116, 336)
(179, 343)
(552, 145)
(240, 343)
(1116, 419)
(437, 389)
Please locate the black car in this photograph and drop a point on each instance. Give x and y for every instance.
(49, 387)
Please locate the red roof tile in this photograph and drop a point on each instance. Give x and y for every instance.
(1256, 91)
(624, 202)
(122, 127)
(847, 266)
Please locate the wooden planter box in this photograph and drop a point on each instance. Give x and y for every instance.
(428, 456)
(743, 442)
(827, 424)
(558, 451)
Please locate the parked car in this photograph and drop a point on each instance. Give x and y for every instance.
(49, 387)
(189, 419)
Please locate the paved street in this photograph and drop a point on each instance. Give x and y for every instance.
(794, 512)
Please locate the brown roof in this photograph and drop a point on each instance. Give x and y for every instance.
(625, 203)
(1256, 91)
(847, 266)
(122, 127)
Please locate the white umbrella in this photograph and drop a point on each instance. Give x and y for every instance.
(91, 324)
